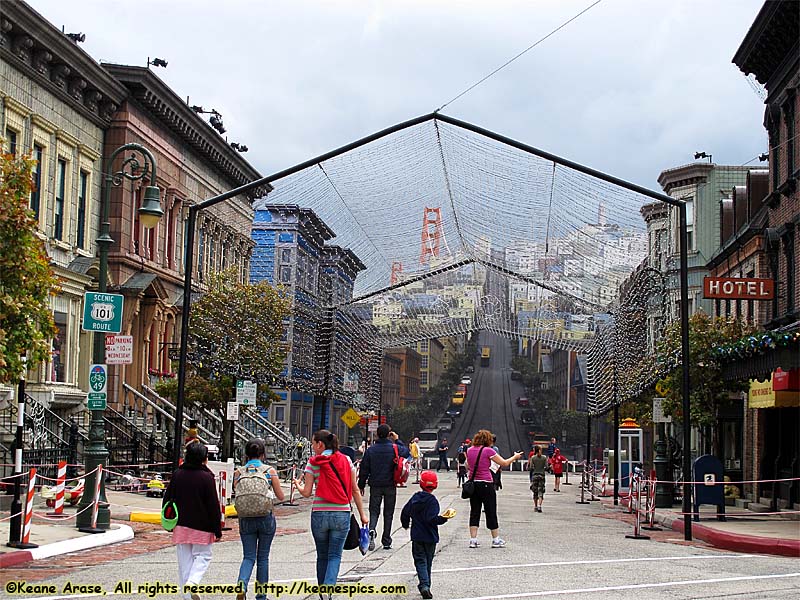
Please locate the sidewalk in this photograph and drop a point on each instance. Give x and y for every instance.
(757, 534)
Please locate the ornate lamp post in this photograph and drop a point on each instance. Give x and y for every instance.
(149, 214)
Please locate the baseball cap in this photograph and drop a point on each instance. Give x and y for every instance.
(428, 481)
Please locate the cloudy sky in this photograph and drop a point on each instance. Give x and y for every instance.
(631, 87)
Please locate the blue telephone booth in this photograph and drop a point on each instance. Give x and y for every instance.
(630, 450)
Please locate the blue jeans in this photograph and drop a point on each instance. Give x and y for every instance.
(422, 553)
(257, 534)
(329, 528)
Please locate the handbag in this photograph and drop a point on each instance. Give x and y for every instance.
(353, 539)
(468, 487)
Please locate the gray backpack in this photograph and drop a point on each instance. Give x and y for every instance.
(254, 496)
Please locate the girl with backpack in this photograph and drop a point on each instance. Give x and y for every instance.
(332, 477)
(256, 486)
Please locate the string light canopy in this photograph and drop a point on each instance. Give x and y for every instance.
(461, 232)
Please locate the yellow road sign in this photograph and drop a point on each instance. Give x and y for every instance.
(350, 418)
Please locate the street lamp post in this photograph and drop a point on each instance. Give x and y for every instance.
(149, 214)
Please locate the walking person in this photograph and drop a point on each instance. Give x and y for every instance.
(557, 465)
(461, 465)
(193, 490)
(442, 449)
(536, 467)
(332, 477)
(416, 459)
(479, 457)
(377, 469)
(256, 532)
(422, 513)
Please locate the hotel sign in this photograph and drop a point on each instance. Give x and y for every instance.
(738, 288)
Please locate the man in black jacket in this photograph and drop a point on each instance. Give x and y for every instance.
(377, 469)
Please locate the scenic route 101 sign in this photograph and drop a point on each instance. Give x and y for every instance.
(738, 288)
(102, 312)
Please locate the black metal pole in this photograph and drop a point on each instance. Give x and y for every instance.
(187, 302)
(687, 438)
(617, 470)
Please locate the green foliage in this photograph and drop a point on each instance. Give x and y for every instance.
(236, 329)
(235, 332)
(707, 390)
(26, 279)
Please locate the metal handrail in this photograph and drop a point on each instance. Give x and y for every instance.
(211, 435)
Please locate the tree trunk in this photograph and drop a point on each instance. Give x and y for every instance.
(227, 445)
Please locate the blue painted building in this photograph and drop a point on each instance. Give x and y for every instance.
(289, 248)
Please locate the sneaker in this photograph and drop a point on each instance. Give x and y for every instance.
(473, 544)
(426, 593)
(538, 509)
(195, 596)
(241, 596)
(371, 540)
(498, 543)
(387, 547)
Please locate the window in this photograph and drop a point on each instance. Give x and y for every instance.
(11, 136)
(788, 249)
(201, 246)
(690, 224)
(286, 274)
(424, 363)
(61, 191)
(82, 191)
(58, 371)
(38, 151)
(423, 346)
(280, 414)
(423, 378)
(286, 255)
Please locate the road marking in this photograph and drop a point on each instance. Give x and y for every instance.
(634, 586)
(560, 563)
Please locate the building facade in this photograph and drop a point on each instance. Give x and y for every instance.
(410, 362)
(431, 362)
(771, 238)
(390, 381)
(56, 104)
(194, 163)
(289, 243)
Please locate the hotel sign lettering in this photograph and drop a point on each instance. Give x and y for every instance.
(738, 288)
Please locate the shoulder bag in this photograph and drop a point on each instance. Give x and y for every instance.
(468, 487)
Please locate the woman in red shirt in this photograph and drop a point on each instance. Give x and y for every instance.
(335, 479)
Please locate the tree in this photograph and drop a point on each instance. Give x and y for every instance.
(26, 279)
(708, 390)
(236, 332)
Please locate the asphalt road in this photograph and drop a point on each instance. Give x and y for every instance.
(570, 550)
(491, 401)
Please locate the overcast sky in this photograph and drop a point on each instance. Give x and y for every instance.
(631, 87)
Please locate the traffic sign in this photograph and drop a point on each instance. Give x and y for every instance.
(246, 392)
(351, 418)
(351, 382)
(232, 413)
(102, 312)
(119, 349)
(98, 380)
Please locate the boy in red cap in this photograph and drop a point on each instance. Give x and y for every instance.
(422, 511)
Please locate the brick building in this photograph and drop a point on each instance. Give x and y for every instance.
(768, 244)
(410, 362)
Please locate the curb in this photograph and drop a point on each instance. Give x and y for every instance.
(726, 540)
(742, 543)
(122, 533)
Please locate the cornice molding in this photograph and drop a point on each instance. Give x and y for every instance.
(90, 153)
(691, 174)
(42, 123)
(161, 103)
(769, 40)
(31, 44)
(16, 106)
(67, 138)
